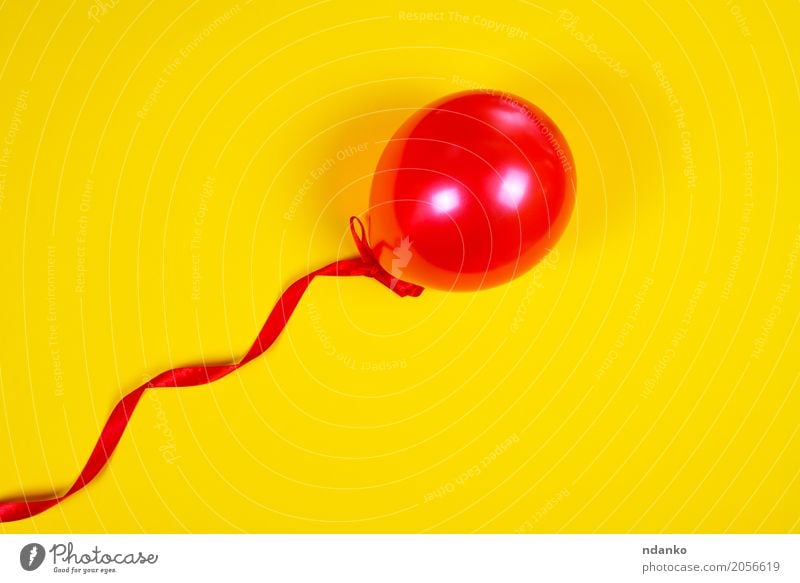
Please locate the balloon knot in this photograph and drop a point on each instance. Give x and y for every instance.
(373, 268)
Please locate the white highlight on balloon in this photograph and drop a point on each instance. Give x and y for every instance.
(513, 188)
(445, 200)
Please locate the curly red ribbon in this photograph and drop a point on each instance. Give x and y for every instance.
(188, 376)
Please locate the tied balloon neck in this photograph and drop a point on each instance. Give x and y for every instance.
(373, 268)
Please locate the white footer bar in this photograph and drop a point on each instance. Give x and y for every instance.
(401, 558)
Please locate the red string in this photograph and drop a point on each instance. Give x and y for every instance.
(365, 264)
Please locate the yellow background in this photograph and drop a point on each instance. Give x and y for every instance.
(169, 167)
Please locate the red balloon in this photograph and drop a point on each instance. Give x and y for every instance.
(470, 192)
